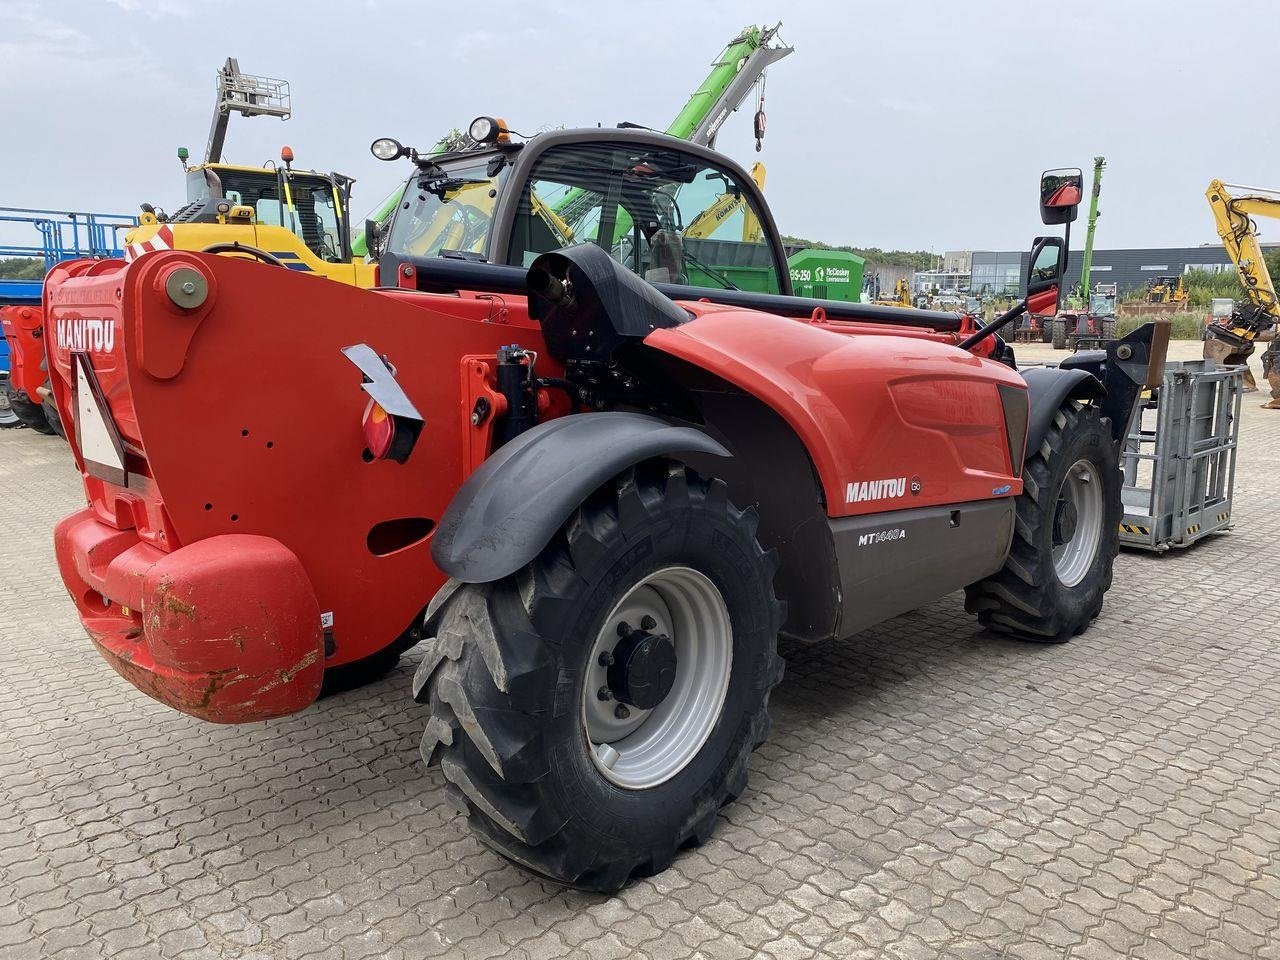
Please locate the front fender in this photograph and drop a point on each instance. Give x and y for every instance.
(509, 509)
(1047, 390)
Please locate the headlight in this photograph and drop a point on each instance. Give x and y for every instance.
(384, 148)
(484, 130)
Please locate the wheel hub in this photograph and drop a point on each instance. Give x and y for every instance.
(1064, 522)
(656, 677)
(1077, 522)
(642, 668)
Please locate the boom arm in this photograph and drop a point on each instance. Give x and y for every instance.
(244, 93)
(1234, 219)
(1086, 265)
(733, 73)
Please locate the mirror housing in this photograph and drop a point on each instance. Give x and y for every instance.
(1061, 191)
(1045, 267)
(372, 239)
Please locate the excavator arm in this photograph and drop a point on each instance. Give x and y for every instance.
(1231, 340)
(1234, 219)
(704, 224)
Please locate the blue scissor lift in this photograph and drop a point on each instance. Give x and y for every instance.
(63, 235)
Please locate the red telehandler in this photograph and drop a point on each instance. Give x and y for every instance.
(596, 480)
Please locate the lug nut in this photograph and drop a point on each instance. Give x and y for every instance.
(606, 659)
(624, 628)
(648, 623)
(604, 693)
(621, 711)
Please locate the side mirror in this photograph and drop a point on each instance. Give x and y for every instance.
(1044, 274)
(372, 239)
(1061, 191)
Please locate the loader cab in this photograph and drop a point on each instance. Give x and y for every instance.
(310, 205)
(669, 211)
(665, 214)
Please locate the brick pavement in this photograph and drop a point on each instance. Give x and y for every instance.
(928, 790)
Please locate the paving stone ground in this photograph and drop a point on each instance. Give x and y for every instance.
(928, 790)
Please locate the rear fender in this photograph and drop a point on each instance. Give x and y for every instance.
(509, 509)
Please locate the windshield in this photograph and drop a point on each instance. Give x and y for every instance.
(668, 216)
(448, 210)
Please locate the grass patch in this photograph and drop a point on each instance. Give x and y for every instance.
(1186, 326)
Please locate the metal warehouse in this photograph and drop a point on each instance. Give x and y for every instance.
(999, 272)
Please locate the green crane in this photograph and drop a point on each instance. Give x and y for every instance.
(1086, 265)
(733, 73)
(738, 68)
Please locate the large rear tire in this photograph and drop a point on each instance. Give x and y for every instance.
(52, 419)
(566, 763)
(8, 414)
(28, 413)
(1109, 329)
(1066, 535)
(1058, 329)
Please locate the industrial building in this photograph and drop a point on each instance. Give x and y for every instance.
(1002, 272)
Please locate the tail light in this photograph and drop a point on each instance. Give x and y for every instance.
(379, 431)
(391, 423)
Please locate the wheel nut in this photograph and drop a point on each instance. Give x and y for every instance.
(604, 693)
(648, 623)
(606, 659)
(621, 711)
(624, 629)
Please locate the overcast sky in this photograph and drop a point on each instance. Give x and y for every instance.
(902, 125)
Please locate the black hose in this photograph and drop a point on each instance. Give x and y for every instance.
(237, 247)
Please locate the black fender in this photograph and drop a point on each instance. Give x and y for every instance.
(509, 509)
(1047, 390)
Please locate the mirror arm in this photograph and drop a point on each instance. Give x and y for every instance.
(998, 323)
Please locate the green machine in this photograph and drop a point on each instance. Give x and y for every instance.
(826, 274)
(733, 73)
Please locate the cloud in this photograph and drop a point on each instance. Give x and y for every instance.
(156, 9)
(916, 108)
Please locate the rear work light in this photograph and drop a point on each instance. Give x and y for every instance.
(391, 423)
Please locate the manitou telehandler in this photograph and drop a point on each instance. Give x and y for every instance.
(598, 501)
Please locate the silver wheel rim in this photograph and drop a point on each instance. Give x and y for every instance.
(1077, 523)
(648, 747)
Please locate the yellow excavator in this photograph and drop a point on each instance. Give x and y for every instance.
(1231, 340)
(901, 295)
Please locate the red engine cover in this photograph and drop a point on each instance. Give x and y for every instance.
(878, 412)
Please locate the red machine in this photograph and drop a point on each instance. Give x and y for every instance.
(607, 485)
(28, 382)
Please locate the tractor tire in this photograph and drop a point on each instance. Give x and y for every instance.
(29, 414)
(1066, 535)
(8, 413)
(1108, 329)
(575, 772)
(1058, 330)
(52, 419)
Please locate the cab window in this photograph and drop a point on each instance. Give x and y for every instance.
(666, 215)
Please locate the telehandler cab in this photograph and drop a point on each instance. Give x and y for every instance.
(599, 479)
